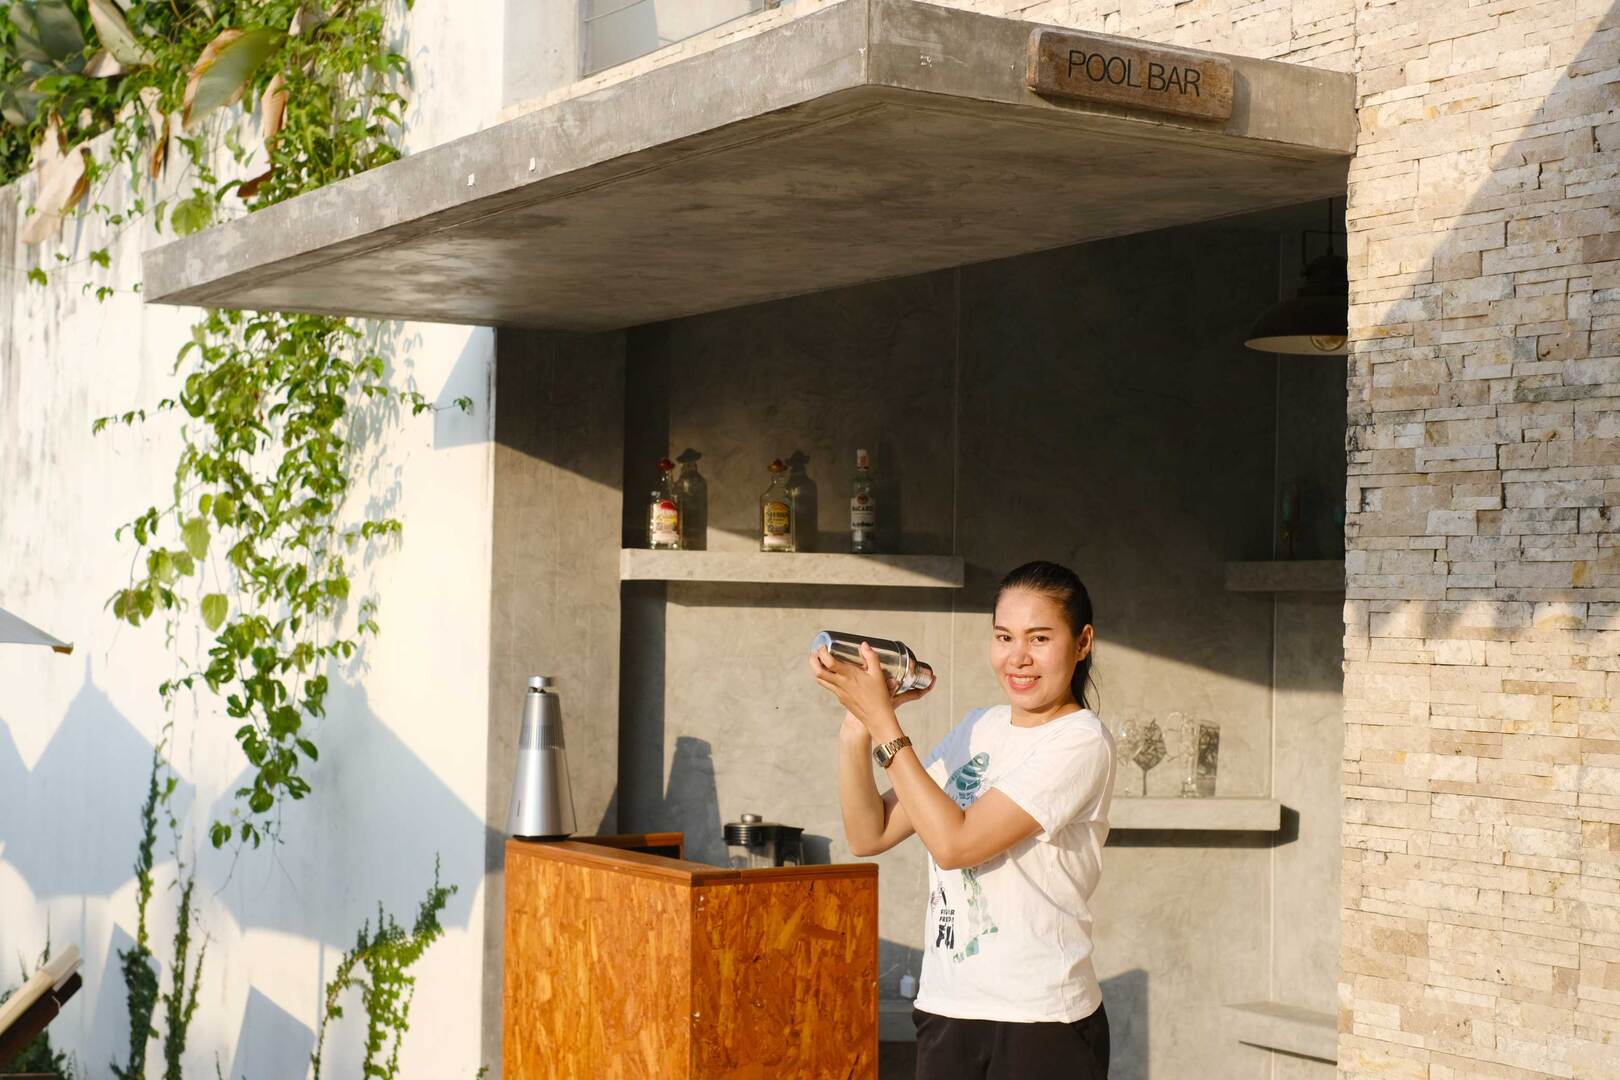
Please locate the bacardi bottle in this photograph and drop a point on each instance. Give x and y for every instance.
(863, 508)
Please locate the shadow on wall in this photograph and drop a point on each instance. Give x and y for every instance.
(393, 817)
(71, 824)
(690, 804)
(110, 1017)
(1125, 996)
(643, 799)
(271, 1042)
(896, 959)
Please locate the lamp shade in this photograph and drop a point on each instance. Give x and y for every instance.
(15, 631)
(1315, 321)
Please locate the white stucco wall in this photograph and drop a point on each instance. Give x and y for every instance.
(402, 772)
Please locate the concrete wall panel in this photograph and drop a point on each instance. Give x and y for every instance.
(1091, 405)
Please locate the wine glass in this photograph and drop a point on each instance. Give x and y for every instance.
(1149, 750)
(1129, 741)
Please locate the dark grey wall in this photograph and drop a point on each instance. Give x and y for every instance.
(1092, 405)
(559, 434)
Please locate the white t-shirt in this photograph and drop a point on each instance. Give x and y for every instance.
(1010, 939)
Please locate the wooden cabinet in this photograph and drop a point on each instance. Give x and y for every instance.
(625, 964)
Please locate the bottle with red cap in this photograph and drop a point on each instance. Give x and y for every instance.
(664, 511)
(863, 508)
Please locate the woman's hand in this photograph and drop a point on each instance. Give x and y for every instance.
(864, 691)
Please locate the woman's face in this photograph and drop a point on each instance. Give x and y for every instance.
(1033, 651)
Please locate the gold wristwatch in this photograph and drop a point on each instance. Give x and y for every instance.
(884, 753)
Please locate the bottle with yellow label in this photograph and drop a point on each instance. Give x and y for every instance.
(776, 512)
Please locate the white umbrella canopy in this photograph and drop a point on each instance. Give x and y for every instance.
(17, 632)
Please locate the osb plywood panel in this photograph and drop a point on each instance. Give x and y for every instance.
(597, 960)
(785, 976)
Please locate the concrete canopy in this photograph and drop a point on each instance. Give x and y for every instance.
(865, 140)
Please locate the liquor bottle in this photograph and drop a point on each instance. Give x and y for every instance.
(664, 512)
(803, 498)
(776, 512)
(863, 508)
(692, 493)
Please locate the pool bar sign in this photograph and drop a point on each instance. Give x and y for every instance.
(1122, 72)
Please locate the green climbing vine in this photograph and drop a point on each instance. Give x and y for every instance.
(141, 984)
(171, 115)
(253, 536)
(135, 963)
(379, 965)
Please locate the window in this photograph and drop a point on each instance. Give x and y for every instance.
(614, 31)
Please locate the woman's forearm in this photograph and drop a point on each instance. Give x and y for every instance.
(934, 815)
(863, 809)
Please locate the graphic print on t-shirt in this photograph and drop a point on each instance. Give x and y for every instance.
(964, 786)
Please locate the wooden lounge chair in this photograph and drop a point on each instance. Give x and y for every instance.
(25, 1013)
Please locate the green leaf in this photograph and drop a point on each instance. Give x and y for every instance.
(47, 31)
(309, 749)
(214, 609)
(37, 276)
(116, 36)
(219, 833)
(224, 69)
(195, 535)
(192, 214)
(19, 102)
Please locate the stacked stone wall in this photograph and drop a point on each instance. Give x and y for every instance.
(1481, 884)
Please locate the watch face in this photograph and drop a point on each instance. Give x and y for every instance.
(885, 753)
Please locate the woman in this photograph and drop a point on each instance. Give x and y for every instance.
(1013, 808)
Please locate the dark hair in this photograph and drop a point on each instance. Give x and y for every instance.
(1064, 586)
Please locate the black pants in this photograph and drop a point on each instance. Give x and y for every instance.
(951, 1049)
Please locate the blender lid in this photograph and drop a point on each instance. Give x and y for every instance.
(752, 830)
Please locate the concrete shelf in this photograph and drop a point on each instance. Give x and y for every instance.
(1286, 575)
(1199, 815)
(1293, 1029)
(682, 189)
(806, 568)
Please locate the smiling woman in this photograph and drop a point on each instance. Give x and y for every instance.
(1012, 807)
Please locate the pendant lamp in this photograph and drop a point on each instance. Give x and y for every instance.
(1313, 322)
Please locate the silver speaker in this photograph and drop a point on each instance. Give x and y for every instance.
(542, 801)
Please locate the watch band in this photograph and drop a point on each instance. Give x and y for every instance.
(884, 753)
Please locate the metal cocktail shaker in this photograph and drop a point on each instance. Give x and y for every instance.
(542, 801)
(899, 663)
